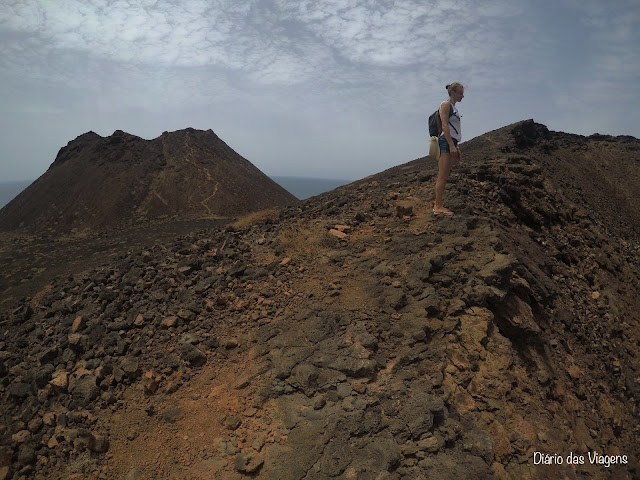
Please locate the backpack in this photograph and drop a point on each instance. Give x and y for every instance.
(435, 123)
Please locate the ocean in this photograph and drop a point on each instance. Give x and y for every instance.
(301, 187)
(9, 190)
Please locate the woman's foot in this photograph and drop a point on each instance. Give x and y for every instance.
(442, 211)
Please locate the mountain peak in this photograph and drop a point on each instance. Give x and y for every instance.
(97, 182)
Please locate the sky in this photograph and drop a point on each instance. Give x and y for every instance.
(313, 88)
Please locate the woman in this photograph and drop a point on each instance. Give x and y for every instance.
(448, 142)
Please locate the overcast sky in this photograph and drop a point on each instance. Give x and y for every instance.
(319, 88)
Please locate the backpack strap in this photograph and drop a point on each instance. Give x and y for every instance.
(450, 113)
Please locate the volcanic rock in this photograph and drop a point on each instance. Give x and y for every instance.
(100, 182)
(414, 347)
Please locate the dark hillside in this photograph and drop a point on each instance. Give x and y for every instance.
(98, 183)
(353, 335)
(599, 173)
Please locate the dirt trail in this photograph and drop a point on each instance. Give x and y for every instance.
(189, 159)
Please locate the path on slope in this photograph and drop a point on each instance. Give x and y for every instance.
(347, 354)
(372, 353)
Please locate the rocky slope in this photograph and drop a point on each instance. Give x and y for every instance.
(352, 336)
(98, 183)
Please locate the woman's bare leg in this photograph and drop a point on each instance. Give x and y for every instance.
(444, 168)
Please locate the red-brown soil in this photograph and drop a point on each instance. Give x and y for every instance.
(354, 335)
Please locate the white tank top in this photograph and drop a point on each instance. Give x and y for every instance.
(454, 123)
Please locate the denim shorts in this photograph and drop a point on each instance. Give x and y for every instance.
(444, 145)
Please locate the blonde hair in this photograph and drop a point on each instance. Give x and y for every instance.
(454, 87)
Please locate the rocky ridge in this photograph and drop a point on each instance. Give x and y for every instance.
(352, 336)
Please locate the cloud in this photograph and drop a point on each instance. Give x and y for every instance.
(369, 32)
(375, 63)
(282, 43)
(607, 80)
(327, 57)
(185, 33)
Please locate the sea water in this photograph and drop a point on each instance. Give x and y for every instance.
(301, 187)
(10, 190)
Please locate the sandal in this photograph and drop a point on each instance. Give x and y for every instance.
(448, 213)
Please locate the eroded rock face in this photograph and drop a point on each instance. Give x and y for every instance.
(527, 133)
(407, 347)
